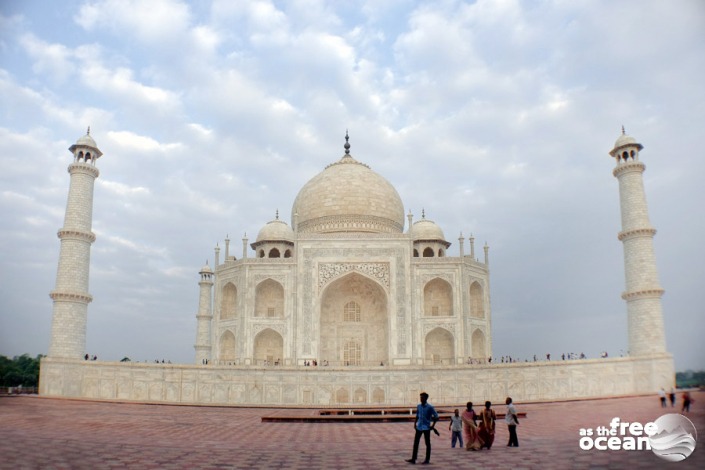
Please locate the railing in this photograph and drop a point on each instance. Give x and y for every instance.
(446, 361)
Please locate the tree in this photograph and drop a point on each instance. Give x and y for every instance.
(20, 370)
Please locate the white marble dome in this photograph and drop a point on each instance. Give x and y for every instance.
(276, 230)
(206, 269)
(86, 140)
(623, 140)
(426, 229)
(347, 196)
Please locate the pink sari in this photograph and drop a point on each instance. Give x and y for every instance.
(472, 438)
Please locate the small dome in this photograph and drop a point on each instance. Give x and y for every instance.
(206, 269)
(426, 229)
(87, 140)
(276, 230)
(623, 140)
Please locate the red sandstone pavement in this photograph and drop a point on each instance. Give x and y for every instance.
(43, 433)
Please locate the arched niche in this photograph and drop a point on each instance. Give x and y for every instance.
(342, 395)
(360, 396)
(228, 302)
(437, 298)
(477, 300)
(227, 346)
(269, 299)
(269, 347)
(371, 332)
(439, 347)
(378, 395)
(478, 344)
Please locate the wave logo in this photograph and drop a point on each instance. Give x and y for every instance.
(675, 439)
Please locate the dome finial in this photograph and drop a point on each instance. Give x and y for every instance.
(88, 132)
(347, 144)
(423, 213)
(276, 217)
(623, 132)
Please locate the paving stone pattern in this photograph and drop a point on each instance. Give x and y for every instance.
(43, 433)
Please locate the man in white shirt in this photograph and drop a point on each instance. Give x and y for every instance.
(512, 422)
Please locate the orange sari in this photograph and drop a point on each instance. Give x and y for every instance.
(486, 427)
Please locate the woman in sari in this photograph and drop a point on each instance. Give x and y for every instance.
(486, 428)
(472, 438)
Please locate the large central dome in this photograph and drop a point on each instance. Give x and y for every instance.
(348, 197)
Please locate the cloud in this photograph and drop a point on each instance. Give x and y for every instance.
(151, 22)
(132, 141)
(50, 60)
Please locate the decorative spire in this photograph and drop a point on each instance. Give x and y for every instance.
(623, 132)
(423, 213)
(88, 132)
(277, 215)
(347, 144)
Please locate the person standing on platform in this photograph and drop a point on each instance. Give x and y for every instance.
(512, 422)
(426, 418)
(456, 428)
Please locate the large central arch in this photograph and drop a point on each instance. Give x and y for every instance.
(354, 318)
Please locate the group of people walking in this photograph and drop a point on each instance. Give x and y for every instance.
(687, 400)
(476, 430)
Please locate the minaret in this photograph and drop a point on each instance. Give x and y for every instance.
(70, 296)
(643, 291)
(204, 316)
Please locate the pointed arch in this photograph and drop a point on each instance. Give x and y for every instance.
(378, 395)
(342, 395)
(227, 346)
(269, 299)
(360, 395)
(478, 344)
(268, 347)
(437, 298)
(341, 299)
(477, 300)
(428, 252)
(439, 347)
(287, 254)
(228, 302)
(274, 253)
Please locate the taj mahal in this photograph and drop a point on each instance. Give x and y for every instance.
(352, 303)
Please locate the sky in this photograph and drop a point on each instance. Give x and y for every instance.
(494, 117)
